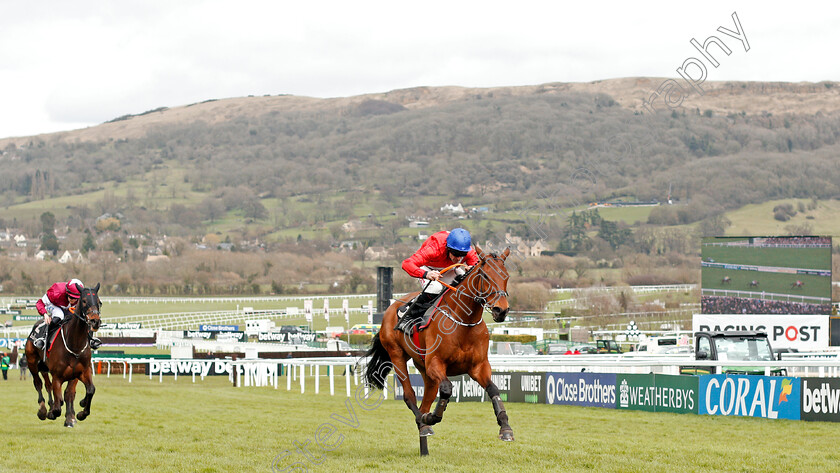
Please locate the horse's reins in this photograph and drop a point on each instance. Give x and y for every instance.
(482, 300)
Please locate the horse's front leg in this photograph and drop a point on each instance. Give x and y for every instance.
(481, 374)
(57, 400)
(435, 379)
(87, 380)
(69, 397)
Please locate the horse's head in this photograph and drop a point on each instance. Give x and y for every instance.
(88, 306)
(490, 285)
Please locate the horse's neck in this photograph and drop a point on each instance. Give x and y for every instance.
(460, 298)
(74, 329)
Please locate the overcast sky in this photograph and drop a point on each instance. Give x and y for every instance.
(67, 65)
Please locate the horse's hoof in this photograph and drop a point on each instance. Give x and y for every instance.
(83, 402)
(426, 431)
(81, 416)
(506, 435)
(42, 415)
(50, 415)
(70, 424)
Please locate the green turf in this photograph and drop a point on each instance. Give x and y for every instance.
(210, 426)
(777, 283)
(804, 258)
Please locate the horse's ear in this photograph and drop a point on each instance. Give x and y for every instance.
(79, 287)
(96, 288)
(478, 251)
(505, 253)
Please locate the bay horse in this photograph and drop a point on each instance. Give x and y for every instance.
(726, 280)
(67, 359)
(454, 343)
(754, 283)
(797, 285)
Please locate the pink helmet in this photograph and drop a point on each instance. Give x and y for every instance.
(72, 290)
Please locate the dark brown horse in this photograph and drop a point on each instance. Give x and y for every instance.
(454, 343)
(726, 280)
(754, 283)
(797, 285)
(68, 359)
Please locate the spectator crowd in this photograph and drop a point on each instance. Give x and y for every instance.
(742, 305)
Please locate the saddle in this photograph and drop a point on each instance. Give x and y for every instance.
(423, 322)
(39, 331)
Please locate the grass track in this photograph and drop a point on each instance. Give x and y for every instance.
(213, 427)
(802, 258)
(777, 283)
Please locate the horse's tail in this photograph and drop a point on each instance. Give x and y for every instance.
(379, 364)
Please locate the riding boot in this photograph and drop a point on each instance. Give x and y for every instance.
(51, 328)
(95, 343)
(41, 342)
(415, 311)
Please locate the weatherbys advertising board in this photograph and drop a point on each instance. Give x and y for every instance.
(821, 399)
(771, 397)
(803, 332)
(581, 389)
(657, 393)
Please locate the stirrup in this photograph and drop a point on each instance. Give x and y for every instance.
(39, 343)
(406, 322)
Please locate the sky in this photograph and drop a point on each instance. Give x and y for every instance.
(68, 65)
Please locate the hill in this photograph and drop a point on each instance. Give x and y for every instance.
(723, 98)
(282, 166)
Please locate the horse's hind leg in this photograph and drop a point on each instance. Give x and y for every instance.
(481, 374)
(36, 380)
(69, 397)
(87, 380)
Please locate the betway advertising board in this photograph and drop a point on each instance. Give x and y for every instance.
(464, 388)
(513, 387)
(770, 397)
(821, 399)
(581, 389)
(803, 332)
(657, 393)
(189, 367)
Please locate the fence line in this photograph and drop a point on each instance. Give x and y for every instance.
(770, 296)
(264, 372)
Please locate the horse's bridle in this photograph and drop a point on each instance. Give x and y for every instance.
(86, 320)
(480, 299)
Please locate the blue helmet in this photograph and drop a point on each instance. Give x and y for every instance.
(459, 239)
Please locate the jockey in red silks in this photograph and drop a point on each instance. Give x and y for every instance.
(439, 251)
(60, 297)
